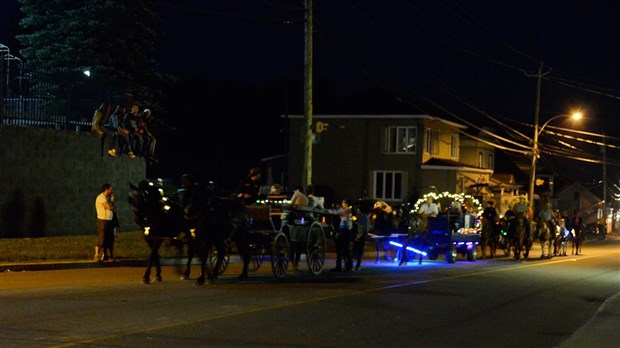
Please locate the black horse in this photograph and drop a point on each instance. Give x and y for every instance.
(159, 217)
(223, 219)
(218, 220)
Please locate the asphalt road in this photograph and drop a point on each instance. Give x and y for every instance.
(487, 303)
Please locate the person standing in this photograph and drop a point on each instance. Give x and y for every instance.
(343, 238)
(299, 199)
(359, 240)
(110, 234)
(104, 219)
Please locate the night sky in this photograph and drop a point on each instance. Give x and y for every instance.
(241, 67)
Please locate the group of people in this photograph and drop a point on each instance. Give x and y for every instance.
(125, 132)
(520, 210)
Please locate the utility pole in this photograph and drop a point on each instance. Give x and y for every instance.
(604, 150)
(307, 174)
(535, 141)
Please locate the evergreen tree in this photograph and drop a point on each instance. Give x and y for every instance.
(112, 39)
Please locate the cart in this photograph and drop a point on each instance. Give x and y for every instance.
(301, 230)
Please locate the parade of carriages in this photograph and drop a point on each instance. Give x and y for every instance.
(271, 231)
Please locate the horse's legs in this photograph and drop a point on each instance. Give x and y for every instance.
(155, 257)
(146, 278)
(203, 248)
(517, 249)
(190, 256)
(243, 245)
(153, 260)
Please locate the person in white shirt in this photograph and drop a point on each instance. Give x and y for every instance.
(104, 219)
(429, 208)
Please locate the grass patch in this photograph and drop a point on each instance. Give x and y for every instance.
(127, 245)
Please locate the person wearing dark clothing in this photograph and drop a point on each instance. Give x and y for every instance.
(343, 238)
(359, 239)
(249, 187)
(489, 220)
(148, 148)
(100, 118)
(114, 140)
(110, 232)
(131, 125)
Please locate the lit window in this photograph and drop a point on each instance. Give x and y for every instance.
(401, 139)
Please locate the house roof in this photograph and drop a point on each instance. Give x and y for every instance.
(578, 187)
(445, 164)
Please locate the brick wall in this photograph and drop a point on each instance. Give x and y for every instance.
(49, 181)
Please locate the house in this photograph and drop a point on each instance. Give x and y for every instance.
(395, 158)
(576, 196)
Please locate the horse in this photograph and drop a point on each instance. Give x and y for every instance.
(218, 221)
(559, 241)
(416, 226)
(520, 238)
(504, 240)
(576, 237)
(224, 219)
(489, 236)
(545, 237)
(159, 217)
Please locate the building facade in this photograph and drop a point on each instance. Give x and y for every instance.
(395, 158)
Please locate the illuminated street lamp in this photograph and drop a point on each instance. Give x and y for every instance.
(535, 154)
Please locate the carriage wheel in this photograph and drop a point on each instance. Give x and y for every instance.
(472, 253)
(280, 255)
(451, 254)
(213, 254)
(258, 255)
(315, 248)
(432, 254)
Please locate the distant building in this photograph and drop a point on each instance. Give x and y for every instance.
(577, 197)
(391, 157)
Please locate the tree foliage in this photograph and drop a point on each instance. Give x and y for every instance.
(113, 39)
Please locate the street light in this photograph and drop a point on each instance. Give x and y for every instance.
(535, 155)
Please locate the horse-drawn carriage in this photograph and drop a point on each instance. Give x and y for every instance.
(286, 235)
(416, 236)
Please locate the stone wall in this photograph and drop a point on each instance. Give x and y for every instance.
(49, 181)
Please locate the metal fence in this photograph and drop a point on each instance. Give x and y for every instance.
(42, 104)
(33, 112)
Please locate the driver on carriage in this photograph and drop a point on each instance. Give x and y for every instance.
(249, 187)
(428, 209)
